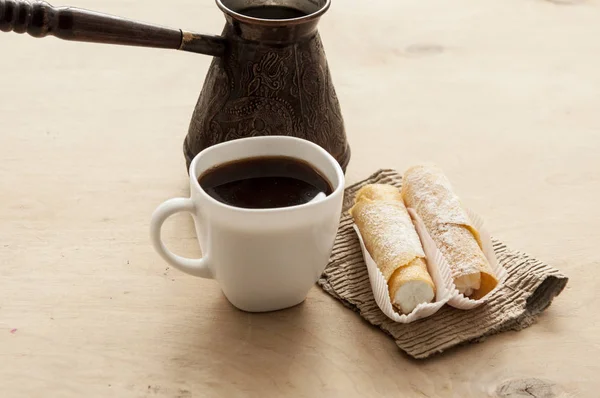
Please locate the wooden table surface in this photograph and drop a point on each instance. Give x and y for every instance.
(504, 95)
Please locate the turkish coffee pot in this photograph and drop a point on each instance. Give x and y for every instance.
(269, 74)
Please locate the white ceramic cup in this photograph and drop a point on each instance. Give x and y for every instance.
(263, 259)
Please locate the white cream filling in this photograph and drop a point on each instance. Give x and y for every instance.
(411, 294)
(467, 284)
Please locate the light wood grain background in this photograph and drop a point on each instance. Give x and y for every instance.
(504, 95)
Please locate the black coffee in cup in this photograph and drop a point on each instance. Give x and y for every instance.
(264, 182)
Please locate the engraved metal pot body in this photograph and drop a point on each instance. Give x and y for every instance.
(269, 76)
(273, 79)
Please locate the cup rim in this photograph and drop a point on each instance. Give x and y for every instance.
(265, 21)
(337, 190)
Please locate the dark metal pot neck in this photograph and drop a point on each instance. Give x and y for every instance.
(274, 30)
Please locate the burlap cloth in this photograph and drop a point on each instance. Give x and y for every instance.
(529, 289)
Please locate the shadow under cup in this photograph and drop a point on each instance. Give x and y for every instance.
(266, 259)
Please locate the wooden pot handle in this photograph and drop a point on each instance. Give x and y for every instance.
(40, 19)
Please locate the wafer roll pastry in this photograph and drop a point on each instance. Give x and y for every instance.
(393, 243)
(427, 190)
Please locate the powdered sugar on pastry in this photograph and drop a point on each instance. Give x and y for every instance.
(427, 190)
(392, 241)
(388, 232)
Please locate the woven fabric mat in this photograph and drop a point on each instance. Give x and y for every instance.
(529, 289)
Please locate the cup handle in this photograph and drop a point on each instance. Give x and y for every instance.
(193, 266)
